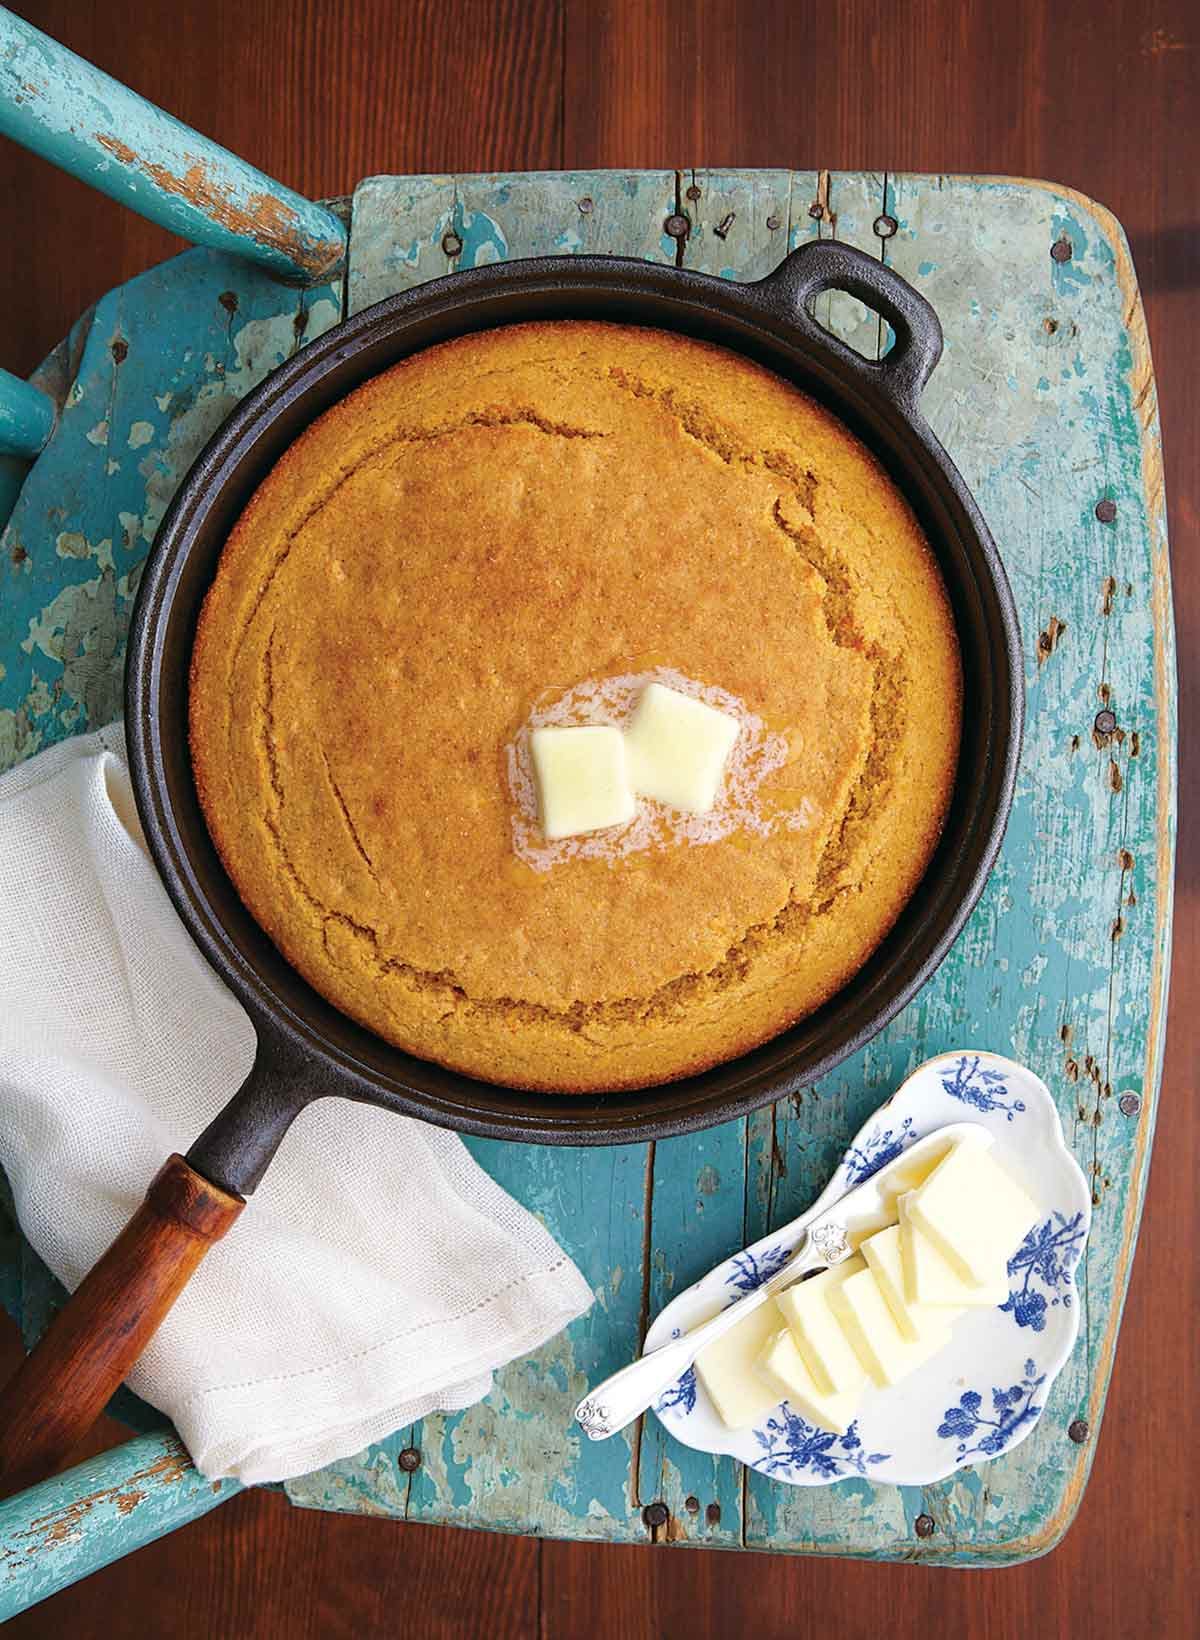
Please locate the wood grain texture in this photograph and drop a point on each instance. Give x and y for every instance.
(59, 1390)
(1103, 98)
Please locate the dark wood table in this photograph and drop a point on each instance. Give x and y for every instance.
(1102, 97)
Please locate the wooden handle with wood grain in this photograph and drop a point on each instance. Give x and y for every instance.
(62, 1387)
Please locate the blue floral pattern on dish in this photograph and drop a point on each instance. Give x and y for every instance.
(982, 1089)
(881, 1146)
(790, 1444)
(1012, 1408)
(1050, 1252)
(749, 1269)
(681, 1396)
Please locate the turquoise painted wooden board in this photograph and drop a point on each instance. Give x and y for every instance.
(1045, 399)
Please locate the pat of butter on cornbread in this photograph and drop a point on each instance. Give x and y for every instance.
(581, 779)
(677, 748)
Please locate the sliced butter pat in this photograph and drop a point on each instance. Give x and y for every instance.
(726, 1369)
(677, 747)
(784, 1371)
(871, 1327)
(930, 1280)
(906, 1174)
(581, 779)
(885, 1260)
(973, 1212)
(826, 1350)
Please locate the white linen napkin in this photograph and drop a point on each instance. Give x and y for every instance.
(376, 1274)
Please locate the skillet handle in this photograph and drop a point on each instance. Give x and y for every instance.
(827, 264)
(63, 1385)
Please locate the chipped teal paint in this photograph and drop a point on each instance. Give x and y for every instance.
(1044, 419)
(106, 135)
(26, 417)
(57, 1532)
(140, 385)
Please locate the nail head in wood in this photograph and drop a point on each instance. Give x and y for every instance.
(677, 225)
(586, 206)
(409, 1460)
(1106, 722)
(924, 1526)
(1062, 249)
(773, 222)
(452, 244)
(1129, 1104)
(885, 226)
(816, 210)
(1078, 1430)
(1106, 510)
(713, 1514)
(655, 1514)
(693, 193)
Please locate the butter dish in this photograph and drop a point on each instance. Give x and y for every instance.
(981, 1394)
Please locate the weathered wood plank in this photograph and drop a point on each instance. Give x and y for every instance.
(409, 229)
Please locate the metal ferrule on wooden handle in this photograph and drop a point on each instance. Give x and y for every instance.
(62, 1387)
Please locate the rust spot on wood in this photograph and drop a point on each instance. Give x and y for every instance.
(1048, 638)
(1065, 1033)
(127, 1502)
(713, 1514)
(820, 207)
(1071, 1069)
(1105, 693)
(119, 348)
(263, 218)
(228, 300)
(1118, 928)
(1104, 726)
(1114, 775)
(1135, 743)
(1074, 743)
(1108, 593)
(1125, 859)
(18, 555)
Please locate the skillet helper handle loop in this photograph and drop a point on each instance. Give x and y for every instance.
(64, 1384)
(829, 265)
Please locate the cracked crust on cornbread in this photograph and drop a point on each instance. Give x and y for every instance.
(514, 512)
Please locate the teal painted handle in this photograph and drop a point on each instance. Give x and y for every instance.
(26, 417)
(66, 1528)
(106, 135)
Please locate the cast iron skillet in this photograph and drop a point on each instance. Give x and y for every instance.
(306, 1048)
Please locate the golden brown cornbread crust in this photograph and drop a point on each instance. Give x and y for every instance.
(521, 510)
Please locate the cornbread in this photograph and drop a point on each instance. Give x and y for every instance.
(485, 526)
